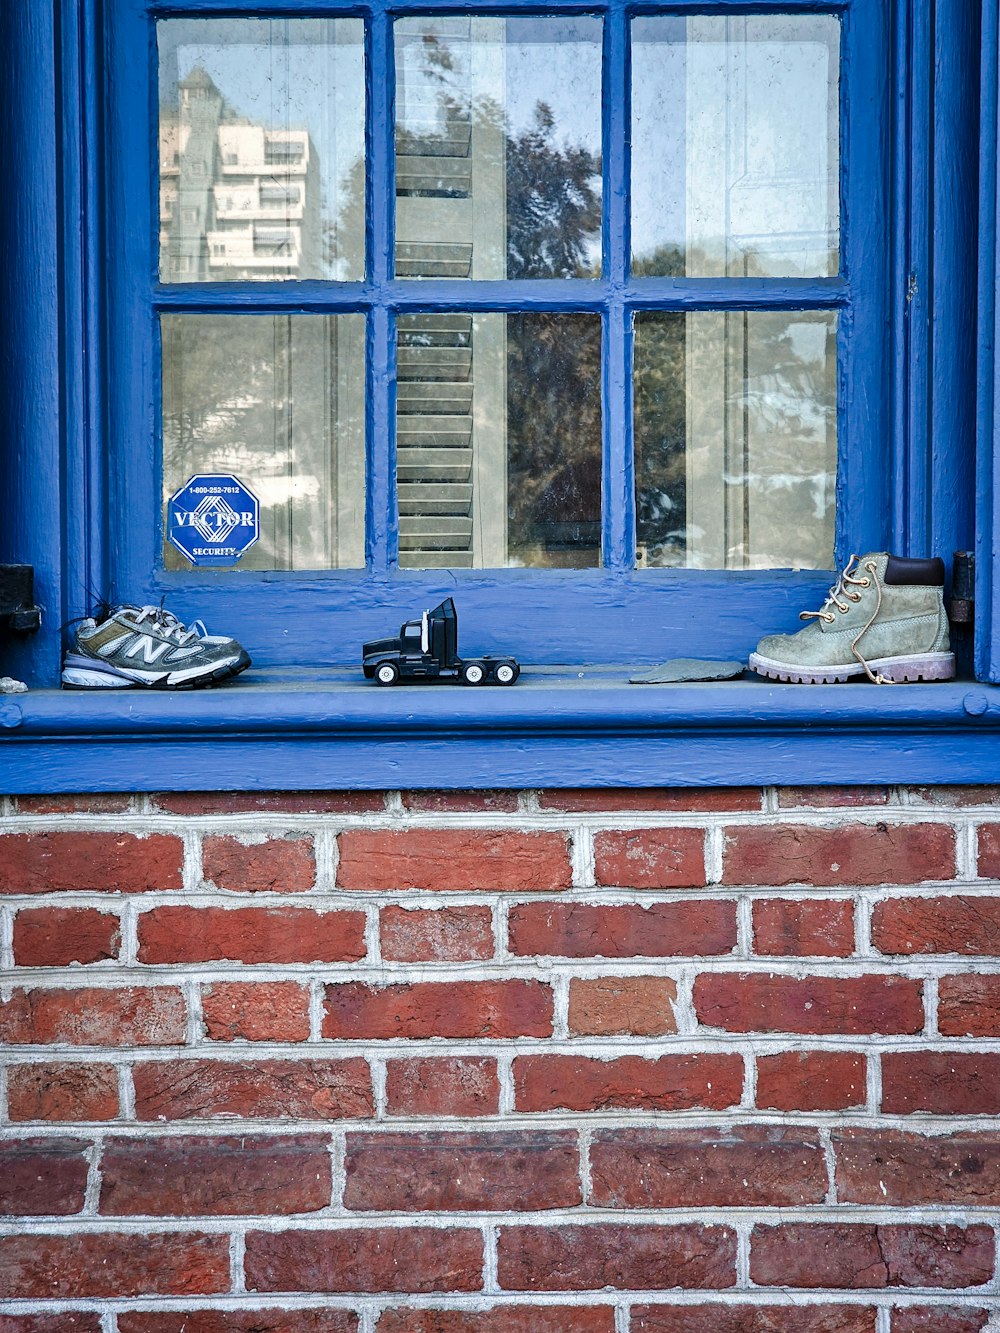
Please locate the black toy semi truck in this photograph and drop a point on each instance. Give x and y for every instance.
(427, 649)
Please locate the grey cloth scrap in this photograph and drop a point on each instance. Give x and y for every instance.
(680, 669)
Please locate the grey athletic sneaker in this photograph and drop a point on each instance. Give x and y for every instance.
(147, 647)
(884, 618)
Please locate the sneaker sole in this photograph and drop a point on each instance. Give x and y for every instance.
(76, 677)
(925, 666)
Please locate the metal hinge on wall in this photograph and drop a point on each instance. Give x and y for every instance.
(18, 612)
(962, 604)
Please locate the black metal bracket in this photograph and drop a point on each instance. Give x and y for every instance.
(962, 605)
(18, 611)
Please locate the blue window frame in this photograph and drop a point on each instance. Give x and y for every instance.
(916, 401)
(545, 616)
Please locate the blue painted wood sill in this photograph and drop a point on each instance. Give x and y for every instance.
(559, 726)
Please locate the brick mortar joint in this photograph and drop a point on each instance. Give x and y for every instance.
(527, 1124)
(491, 1260)
(544, 968)
(748, 1218)
(596, 895)
(126, 1092)
(192, 869)
(314, 988)
(742, 1230)
(583, 858)
(6, 937)
(338, 1170)
(379, 1069)
(873, 1082)
(707, 1041)
(373, 1304)
(92, 1190)
(237, 1257)
(326, 854)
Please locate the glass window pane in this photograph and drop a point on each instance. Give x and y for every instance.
(498, 147)
(262, 129)
(736, 439)
(499, 440)
(735, 146)
(278, 401)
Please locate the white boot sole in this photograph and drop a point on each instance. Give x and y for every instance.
(920, 666)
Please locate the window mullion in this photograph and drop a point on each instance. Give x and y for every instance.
(618, 487)
(381, 513)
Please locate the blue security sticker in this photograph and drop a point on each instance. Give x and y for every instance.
(213, 519)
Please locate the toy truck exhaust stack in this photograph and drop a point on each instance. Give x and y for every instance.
(427, 649)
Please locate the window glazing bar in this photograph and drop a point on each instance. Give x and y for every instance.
(382, 522)
(528, 294)
(736, 293)
(618, 484)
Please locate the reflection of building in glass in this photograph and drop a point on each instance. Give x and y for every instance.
(237, 200)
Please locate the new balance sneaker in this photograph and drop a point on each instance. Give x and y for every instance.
(884, 618)
(147, 647)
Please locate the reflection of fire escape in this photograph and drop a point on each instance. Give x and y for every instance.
(449, 178)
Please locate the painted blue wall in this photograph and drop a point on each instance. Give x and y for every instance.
(32, 398)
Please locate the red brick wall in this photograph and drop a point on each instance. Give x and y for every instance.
(558, 1062)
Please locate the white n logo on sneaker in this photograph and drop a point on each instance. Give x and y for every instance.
(151, 651)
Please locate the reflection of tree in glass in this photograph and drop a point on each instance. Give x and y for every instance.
(554, 438)
(553, 203)
(665, 262)
(660, 438)
(553, 360)
(722, 259)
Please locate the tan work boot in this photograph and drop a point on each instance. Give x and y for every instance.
(884, 618)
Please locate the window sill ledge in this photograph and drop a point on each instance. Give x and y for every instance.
(560, 726)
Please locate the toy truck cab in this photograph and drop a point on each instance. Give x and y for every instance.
(427, 649)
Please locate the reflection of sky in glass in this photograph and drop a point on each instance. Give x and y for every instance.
(552, 60)
(556, 61)
(735, 144)
(282, 74)
(658, 90)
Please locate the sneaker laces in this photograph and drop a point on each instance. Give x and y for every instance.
(168, 624)
(839, 595)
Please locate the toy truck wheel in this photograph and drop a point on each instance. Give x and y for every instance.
(506, 673)
(473, 673)
(387, 673)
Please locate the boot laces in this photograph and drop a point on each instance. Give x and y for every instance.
(839, 595)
